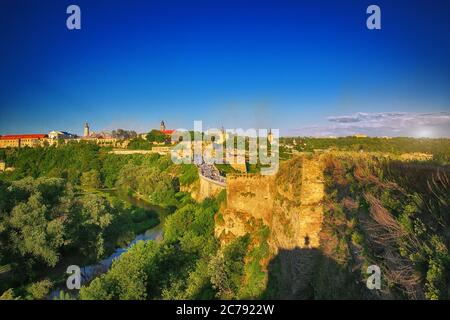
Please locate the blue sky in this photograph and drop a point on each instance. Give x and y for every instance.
(299, 66)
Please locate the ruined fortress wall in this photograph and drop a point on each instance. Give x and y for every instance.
(251, 193)
(289, 203)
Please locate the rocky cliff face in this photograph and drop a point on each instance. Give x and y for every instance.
(289, 203)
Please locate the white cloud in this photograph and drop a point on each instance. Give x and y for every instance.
(409, 124)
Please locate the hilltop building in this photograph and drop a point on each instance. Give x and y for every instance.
(56, 135)
(163, 130)
(103, 139)
(23, 140)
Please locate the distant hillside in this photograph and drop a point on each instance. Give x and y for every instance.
(438, 148)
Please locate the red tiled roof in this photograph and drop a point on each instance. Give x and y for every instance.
(23, 136)
(167, 131)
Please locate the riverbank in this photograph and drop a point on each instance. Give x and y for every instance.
(148, 225)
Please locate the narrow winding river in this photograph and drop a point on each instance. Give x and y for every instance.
(89, 272)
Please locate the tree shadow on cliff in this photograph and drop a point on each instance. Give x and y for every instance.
(306, 274)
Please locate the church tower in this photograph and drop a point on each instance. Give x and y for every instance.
(270, 136)
(86, 130)
(162, 126)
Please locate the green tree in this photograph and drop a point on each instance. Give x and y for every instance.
(39, 290)
(227, 268)
(95, 216)
(36, 224)
(91, 179)
(156, 136)
(128, 278)
(8, 295)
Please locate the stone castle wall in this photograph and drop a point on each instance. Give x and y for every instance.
(289, 203)
(209, 188)
(251, 193)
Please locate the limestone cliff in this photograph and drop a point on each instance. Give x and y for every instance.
(289, 203)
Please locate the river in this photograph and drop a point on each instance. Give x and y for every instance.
(89, 272)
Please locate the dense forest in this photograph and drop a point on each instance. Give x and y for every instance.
(55, 207)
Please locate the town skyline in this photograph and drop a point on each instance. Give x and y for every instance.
(387, 124)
